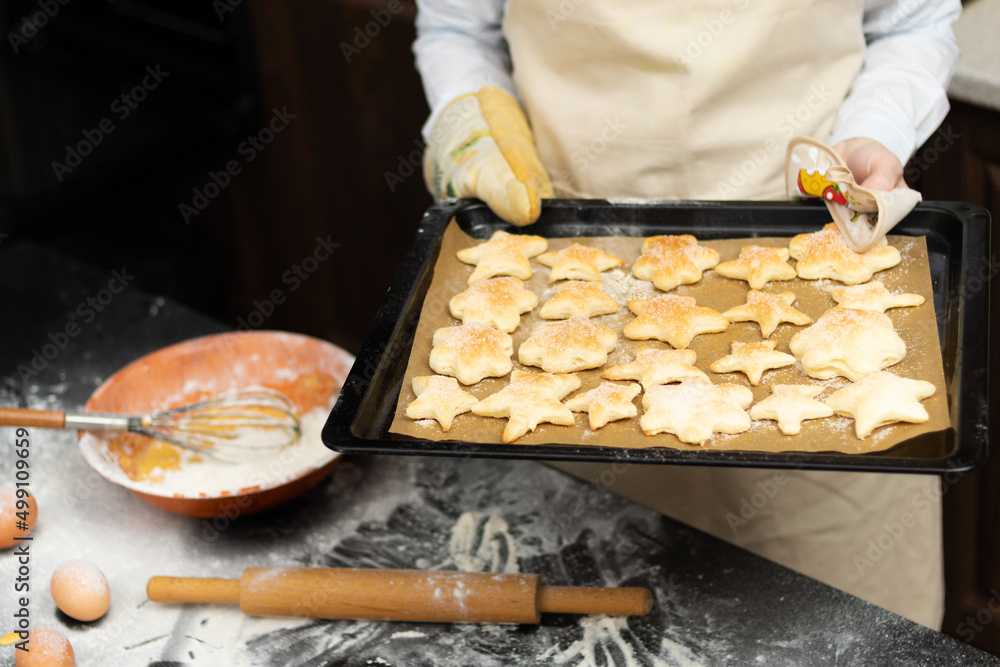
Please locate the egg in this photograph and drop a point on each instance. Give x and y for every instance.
(80, 590)
(12, 525)
(47, 647)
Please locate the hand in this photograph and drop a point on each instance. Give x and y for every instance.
(481, 146)
(871, 163)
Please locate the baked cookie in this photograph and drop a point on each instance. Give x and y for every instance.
(881, 398)
(578, 298)
(824, 254)
(497, 302)
(872, 296)
(578, 262)
(529, 400)
(471, 352)
(606, 403)
(672, 319)
(752, 359)
(570, 345)
(439, 397)
(847, 342)
(790, 405)
(652, 367)
(695, 409)
(767, 310)
(503, 255)
(669, 261)
(758, 265)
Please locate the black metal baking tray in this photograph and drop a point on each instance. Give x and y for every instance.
(958, 247)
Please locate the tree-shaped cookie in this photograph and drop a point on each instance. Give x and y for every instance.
(652, 367)
(497, 302)
(569, 345)
(752, 358)
(847, 342)
(439, 397)
(881, 398)
(672, 319)
(767, 310)
(669, 261)
(790, 405)
(606, 403)
(471, 352)
(503, 255)
(578, 262)
(824, 254)
(758, 265)
(695, 409)
(529, 400)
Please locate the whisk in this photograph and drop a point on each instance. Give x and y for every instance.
(233, 426)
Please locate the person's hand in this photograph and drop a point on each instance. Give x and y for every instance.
(481, 146)
(872, 164)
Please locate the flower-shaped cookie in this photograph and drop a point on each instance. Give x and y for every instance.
(767, 310)
(790, 405)
(529, 400)
(695, 409)
(881, 398)
(471, 352)
(652, 367)
(439, 397)
(606, 403)
(497, 302)
(824, 254)
(669, 261)
(578, 298)
(847, 342)
(503, 255)
(758, 265)
(578, 262)
(872, 296)
(570, 345)
(753, 359)
(672, 319)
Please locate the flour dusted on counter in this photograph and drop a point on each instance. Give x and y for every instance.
(483, 544)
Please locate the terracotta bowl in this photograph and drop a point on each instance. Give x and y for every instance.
(308, 371)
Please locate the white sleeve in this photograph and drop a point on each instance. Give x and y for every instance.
(900, 95)
(459, 49)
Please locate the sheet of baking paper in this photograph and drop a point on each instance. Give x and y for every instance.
(917, 327)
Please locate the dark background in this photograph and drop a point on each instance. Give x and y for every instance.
(345, 169)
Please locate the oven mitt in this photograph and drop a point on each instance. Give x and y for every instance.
(481, 146)
(863, 215)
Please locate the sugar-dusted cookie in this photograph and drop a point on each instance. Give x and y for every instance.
(497, 302)
(695, 409)
(758, 265)
(767, 310)
(847, 342)
(872, 296)
(570, 345)
(579, 262)
(753, 359)
(606, 403)
(824, 254)
(652, 367)
(578, 298)
(672, 319)
(529, 400)
(503, 255)
(790, 405)
(881, 398)
(439, 397)
(471, 352)
(669, 261)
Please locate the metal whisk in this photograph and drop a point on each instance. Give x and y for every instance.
(232, 426)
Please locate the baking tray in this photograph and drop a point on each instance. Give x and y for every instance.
(957, 237)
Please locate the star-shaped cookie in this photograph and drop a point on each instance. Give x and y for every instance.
(758, 265)
(497, 302)
(606, 403)
(881, 398)
(669, 261)
(847, 342)
(753, 359)
(790, 405)
(672, 319)
(471, 352)
(439, 397)
(503, 255)
(652, 367)
(578, 262)
(695, 409)
(767, 310)
(824, 254)
(529, 400)
(569, 345)
(872, 296)
(578, 298)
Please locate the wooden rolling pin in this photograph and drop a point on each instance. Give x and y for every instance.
(398, 595)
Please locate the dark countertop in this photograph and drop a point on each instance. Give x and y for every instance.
(715, 604)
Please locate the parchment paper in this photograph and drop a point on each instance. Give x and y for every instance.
(917, 326)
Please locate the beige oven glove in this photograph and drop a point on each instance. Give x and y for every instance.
(863, 215)
(481, 146)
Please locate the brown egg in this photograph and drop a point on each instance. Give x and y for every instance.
(17, 515)
(80, 590)
(47, 647)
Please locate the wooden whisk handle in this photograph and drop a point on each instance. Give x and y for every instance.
(38, 418)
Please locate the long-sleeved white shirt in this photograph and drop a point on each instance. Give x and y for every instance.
(899, 98)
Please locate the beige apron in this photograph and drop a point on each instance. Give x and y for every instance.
(697, 100)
